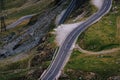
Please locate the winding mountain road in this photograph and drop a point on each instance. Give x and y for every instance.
(54, 70)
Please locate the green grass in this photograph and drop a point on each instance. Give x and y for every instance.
(22, 64)
(51, 39)
(104, 66)
(101, 35)
(13, 76)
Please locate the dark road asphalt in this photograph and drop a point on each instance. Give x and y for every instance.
(59, 62)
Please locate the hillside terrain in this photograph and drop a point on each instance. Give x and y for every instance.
(30, 46)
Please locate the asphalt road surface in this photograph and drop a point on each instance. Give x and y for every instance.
(58, 63)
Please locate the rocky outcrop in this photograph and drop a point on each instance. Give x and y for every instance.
(36, 32)
(114, 78)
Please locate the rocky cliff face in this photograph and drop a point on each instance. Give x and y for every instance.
(31, 36)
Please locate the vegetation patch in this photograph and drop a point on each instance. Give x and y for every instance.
(104, 65)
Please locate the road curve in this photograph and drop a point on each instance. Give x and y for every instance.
(56, 66)
(14, 24)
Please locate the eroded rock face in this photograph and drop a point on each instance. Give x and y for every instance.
(114, 78)
(36, 33)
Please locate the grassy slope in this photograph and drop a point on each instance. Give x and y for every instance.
(102, 35)
(104, 65)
